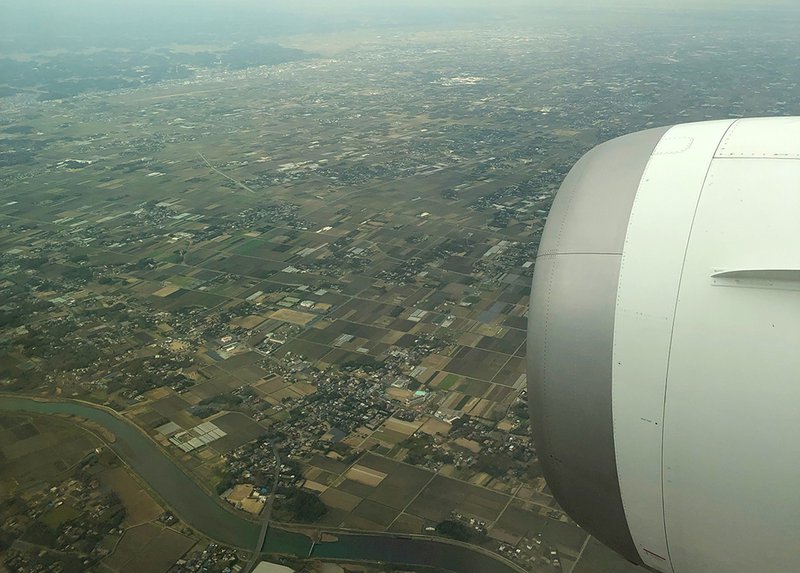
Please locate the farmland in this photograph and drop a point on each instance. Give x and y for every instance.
(320, 245)
(56, 478)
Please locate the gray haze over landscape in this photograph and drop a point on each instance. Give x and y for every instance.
(47, 24)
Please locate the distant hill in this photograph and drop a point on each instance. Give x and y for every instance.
(68, 74)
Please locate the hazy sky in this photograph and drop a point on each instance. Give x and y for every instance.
(26, 24)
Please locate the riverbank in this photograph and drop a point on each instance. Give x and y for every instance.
(205, 513)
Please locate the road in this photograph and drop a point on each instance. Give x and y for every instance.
(267, 515)
(239, 183)
(206, 513)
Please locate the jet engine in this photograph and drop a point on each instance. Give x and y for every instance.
(664, 346)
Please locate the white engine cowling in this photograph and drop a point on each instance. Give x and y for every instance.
(664, 346)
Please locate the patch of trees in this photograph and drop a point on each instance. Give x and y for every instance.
(33, 262)
(116, 311)
(80, 355)
(40, 534)
(418, 449)
(62, 351)
(81, 274)
(144, 263)
(21, 314)
(421, 449)
(271, 434)
(224, 485)
(227, 399)
(500, 220)
(524, 428)
(365, 363)
(142, 374)
(341, 448)
(521, 410)
(459, 423)
(7, 538)
(494, 464)
(38, 342)
(304, 507)
(19, 380)
(8, 508)
(16, 157)
(455, 530)
(202, 412)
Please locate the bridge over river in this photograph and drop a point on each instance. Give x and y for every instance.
(206, 513)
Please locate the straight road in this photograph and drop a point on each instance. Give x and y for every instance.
(262, 536)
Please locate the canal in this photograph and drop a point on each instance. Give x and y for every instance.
(208, 515)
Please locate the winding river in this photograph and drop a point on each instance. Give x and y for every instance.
(208, 515)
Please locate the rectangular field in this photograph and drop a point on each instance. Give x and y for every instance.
(148, 548)
(139, 505)
(444, 495)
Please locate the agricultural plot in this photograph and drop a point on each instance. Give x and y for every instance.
(174, 408)
(140, 507)
(365, 475)
(37, 448)
(328, 464)
(149, 548)
(405, 523)
(477, 363)
(292, 316)
(338, 499)
(355, 488)
(525, 520)
(379, 516)
(213, 387)
(270, 385)
(309, 350)
(508, 344)
(401, 485)
(510, 374)
(239, 429)
(444, 495)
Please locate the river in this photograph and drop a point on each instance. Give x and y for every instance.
(208, 515)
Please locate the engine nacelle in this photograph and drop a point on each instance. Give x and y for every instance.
(664, 346)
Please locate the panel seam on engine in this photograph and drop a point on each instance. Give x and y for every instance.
(706, 180)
